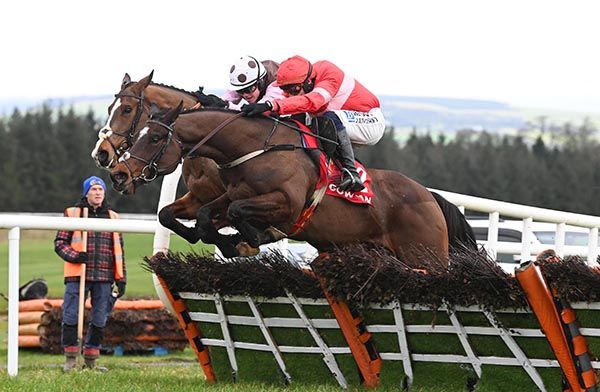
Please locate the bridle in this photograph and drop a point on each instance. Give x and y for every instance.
(150, 172)
(128, 136)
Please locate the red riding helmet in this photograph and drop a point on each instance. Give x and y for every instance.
(294, 71)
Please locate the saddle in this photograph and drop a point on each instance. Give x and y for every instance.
(324, 127)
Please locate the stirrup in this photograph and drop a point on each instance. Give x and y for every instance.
(350, 182)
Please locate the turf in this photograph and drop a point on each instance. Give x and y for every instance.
(38, 260)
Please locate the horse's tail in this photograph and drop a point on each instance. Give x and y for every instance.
(460, 233)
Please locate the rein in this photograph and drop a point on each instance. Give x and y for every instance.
(213, 133)
(267, 147)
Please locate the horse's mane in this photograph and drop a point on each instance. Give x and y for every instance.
(209, 109)
(161, 85)
(172, 88)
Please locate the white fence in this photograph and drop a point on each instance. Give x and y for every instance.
(495, 208)
(528, 214)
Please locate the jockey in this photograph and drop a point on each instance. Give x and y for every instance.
(250, 80)
(324, 89)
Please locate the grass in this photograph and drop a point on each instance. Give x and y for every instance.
(38, 260)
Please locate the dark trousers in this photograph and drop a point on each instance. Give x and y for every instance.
(101, 296)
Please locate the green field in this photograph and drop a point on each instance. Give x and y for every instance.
(38, 260)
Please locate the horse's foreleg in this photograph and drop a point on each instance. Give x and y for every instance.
(183, 208)
(207, 231)
(268, 208)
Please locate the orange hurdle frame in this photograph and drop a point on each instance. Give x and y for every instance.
(191, 331)
(359, 340)
(542, 303)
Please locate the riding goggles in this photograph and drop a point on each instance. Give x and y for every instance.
(247, 90)
(292, 89)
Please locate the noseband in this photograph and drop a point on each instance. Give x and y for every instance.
(150, 172)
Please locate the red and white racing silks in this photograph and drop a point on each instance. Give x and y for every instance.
(357, 108)
(333, 90)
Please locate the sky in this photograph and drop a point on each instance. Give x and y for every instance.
(530, 53)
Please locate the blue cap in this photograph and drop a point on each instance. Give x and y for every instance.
(91, 181)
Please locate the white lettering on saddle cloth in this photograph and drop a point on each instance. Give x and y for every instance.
(363, 197)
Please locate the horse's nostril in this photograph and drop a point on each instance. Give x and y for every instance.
(102, 157)
(119, 177)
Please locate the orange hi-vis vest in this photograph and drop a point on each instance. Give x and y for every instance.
(74, 269)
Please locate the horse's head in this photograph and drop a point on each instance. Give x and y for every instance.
(125, 115)
(156, 151)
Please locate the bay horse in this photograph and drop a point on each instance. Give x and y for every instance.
(273, 188)
(127, 114)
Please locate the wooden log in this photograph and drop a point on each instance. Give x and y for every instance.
(29, 341)
(156, 338)
(47, 304)
(29, 329)
(30, 317)
(36, 305)
(139, 304)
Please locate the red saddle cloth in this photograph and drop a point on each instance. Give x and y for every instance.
(330, 174)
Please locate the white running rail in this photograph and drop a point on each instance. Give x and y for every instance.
(528, 214)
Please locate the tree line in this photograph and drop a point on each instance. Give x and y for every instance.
(45, 156)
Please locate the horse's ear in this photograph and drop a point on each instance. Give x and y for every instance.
(154, 110)
(142, 84)
(145, 81)
(172, 114)
(126, 80)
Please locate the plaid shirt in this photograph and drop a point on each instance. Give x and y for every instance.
(100, 265)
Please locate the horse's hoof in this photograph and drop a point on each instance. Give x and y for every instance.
(229, 252)
(246, 250)
(192, 237)
(275, 233)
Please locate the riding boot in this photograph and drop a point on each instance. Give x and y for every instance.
(90, 355)
(71, 353)
(350, 178)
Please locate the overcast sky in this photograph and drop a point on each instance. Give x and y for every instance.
(527, 53)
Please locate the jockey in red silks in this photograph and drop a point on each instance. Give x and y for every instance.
(324, 89)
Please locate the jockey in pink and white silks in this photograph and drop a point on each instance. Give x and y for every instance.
(324, 89)
(252, 81)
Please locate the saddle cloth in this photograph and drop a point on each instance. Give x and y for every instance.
(330, 174)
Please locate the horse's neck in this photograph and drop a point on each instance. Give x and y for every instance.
(163, 96)
(238, 137)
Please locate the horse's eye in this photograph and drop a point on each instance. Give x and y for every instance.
(155, 138)
(127, 109)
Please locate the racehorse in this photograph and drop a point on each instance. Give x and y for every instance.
(129, 111)
(269, 181)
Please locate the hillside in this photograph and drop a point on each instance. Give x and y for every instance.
(405, 113)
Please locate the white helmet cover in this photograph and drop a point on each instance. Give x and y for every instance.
(245, 72)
